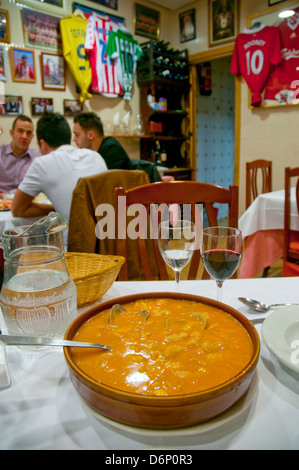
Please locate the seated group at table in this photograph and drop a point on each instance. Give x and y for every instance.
(56, 168)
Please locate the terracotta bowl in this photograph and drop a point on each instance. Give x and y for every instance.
(161, 412)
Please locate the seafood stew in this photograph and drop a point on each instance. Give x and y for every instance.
(164, 347)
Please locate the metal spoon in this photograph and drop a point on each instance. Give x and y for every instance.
(260, 306)
(40, 341)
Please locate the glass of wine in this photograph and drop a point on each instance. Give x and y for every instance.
(221, 250)
(176, 242)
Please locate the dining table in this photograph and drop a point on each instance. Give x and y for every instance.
(41, 410)
(262, 226)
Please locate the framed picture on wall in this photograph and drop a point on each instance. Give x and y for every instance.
(23, 65)
(53, 71)
(275, 2)
(107, 3)
(4, 26)
(41, 105)
(187, 25)
(87, 11)
(12, 104)
(2, 64)
(72, 107)
(223, 21)
(41, 30)
(147, 22)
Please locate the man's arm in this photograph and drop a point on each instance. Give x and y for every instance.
(23, 206)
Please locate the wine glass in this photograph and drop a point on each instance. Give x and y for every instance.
(221, 250)
(176, 242)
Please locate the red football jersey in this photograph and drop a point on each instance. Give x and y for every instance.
(255, 54)
(278, 87)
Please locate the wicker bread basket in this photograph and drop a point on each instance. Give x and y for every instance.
(93, 274)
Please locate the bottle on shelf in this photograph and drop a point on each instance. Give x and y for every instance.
(163, 155)
(158, 160)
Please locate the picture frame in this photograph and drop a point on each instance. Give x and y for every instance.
(41, 105)
(147, 22)
(187, 25)
(4, 26)
(72, 107)
(280, 91)
(87, 11)
(107, 3)
(53, 71)
(275, 2)
(48, 26)
(223, 21)
(23, 65)
(43, 3)
(11, 105)
(2, 64)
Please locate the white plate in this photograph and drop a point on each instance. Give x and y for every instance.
(280, 333)
(237, 409)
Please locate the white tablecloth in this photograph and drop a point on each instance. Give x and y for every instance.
(41, 409)
(267, 213)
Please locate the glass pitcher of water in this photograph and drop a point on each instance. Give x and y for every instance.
(38, 296)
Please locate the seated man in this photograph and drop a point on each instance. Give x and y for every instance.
(16, 157)
(89, 133)
(57, 172)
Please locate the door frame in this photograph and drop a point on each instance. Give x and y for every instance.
(212, 54)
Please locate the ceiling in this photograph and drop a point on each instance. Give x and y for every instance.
(171, 4)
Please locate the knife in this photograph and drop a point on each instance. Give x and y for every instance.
(41, 341)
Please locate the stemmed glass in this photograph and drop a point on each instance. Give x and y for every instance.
(221, 250)
(176, 240)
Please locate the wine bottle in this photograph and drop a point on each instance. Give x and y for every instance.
(163, 156)
(158, 153)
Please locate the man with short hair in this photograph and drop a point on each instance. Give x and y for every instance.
(57, 172)
(88, 133)
(16, 157)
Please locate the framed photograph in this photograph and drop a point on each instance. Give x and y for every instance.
(187, 25)
(107, 3)
(53, 71)
(86, 12)
(23, 65)
(41, 105)
(72, 107)
(223, 21)
(43, 3)
(2, 64)
(275, 2)
(147, 22)
(41, 30)
(12, 104)
(4, 26)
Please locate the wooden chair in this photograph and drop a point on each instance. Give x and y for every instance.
(168, 193)
(291, 245)
(254, 177)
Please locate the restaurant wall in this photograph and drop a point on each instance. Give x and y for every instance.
(105, 107)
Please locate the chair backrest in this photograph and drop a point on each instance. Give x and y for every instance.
(170, 193)
(291, 249)
(90, 197)
(258, 179)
